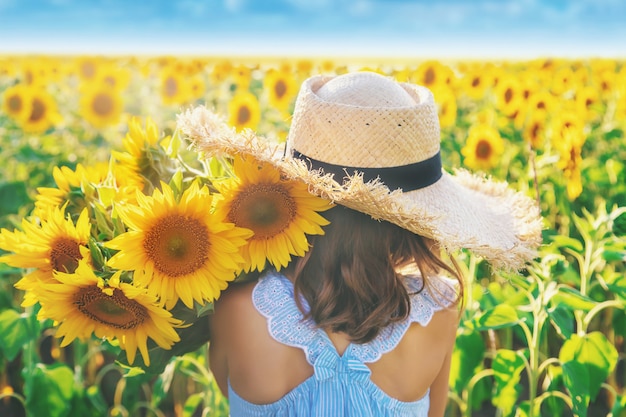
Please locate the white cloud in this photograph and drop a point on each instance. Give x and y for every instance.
(194, 8)
(234, 6)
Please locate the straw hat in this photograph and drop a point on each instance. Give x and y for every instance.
(369, 143)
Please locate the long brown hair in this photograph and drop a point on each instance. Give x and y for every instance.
(350, 279)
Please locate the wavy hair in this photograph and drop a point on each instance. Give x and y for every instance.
(349, 277)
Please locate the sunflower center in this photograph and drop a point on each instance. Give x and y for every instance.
(243, 115)
(171, 87)
(429, 76)
(483, 149)
(88, 69)
(476, 82)
(38, 111)
(266, 209)
(64, 255)
(508, 95)
(534, 132)
(15, 103)
(178, 245)
(115, 310)
(280, 88)
(102, 104)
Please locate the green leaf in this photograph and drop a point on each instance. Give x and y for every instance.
(595, 353)
(192, 404)
(562, 320)
(468, 355)
(573, 299)
(618, 285)
(49, 390)
(96, 254)
(523, 410)
(131, 371)
(576, 379)
(13, 196)
(204, 309)
(176, 184)
(173, 145)
(499, 317)
(507, 367)
(568, 242)
(192, 338)
(619, 407)
(613, 256)
(15, 331)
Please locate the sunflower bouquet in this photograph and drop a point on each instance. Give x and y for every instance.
(134, 252)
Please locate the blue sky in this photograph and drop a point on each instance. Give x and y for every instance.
(417, 28)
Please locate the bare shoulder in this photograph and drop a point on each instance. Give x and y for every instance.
(234, 302)
(443, 325)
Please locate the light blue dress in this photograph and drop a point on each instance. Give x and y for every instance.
(340, 385)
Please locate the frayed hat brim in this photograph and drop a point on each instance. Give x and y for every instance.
(460, 211)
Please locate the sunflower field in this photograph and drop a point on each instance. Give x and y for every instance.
(108, 218)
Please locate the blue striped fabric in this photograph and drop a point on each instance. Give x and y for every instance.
(340, 385)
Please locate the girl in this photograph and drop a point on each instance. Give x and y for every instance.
(364, 323)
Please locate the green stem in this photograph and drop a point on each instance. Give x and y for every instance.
(470, 387)
(149, 407)
(596, 309)
(458, 401)
(544, 365)
(537, 406)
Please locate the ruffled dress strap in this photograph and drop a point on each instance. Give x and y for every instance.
(426, 300)
(273, 297)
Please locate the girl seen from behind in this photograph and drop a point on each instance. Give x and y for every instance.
(363, 323)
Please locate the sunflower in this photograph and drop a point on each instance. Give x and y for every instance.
(84, 304)
(242, 75)
(244, 111)
(179, 249)
(475, 82)
(101, 105)
(35, 72)
(432, 74)
(69, 189)
(281, 88)
(567, 124)
(304, 68)
(197, 87)
(483, 148)
(541, 103)
(563, 81)
(588, 102)
(220, 71)
(279, 212)
(144, 160)
(508, 96)
(16, 102)
(447, 106)
(570, 150)
(113, 76)
(54, 243)
(534, 132)
(87, 68)
(174, 87)
(43, 113)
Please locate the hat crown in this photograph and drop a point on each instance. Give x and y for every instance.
(365, 90)
(364, 120)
